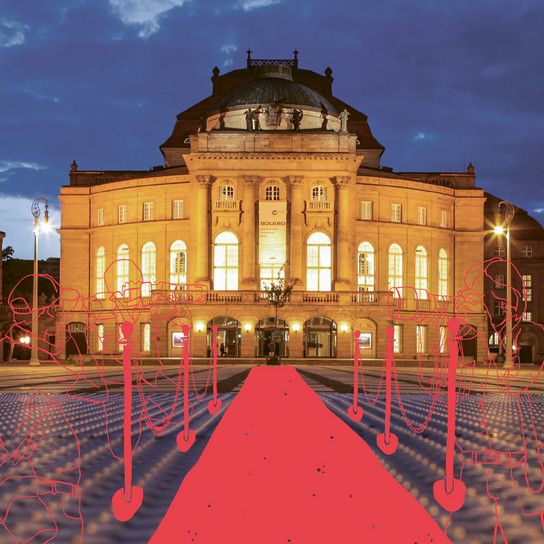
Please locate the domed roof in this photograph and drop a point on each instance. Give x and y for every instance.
(273, 89)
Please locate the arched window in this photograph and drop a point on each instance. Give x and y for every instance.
(100, 271)
(318, 263)
(178, 263)
(365, 267)
(149, 268)
(122, 270)
(226, 192)
(421, 272)
(272, 192)
(395, 267)
(443, 273)
(225, 262)
(319, 192)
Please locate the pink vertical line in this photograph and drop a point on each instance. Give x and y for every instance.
(356, 371)
(185, 330)
(453, 327)
(214, 356)
(127, 371)
(390, 332)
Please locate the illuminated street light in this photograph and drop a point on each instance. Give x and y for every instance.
(508, 216)
(34, 359)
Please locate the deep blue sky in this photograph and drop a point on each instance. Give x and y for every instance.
(443, 83)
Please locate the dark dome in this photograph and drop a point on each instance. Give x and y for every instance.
(266, 91)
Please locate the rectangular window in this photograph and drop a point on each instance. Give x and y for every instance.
(396, 213)
(528, 282)
(100, 218)
(270, 274)
(421, 338)
(148, 211)
(123, 213)
(366, 210)
(121, 337)
(421, 215)
(443, 219)
(397, 338)
(499, 281)
(499, 251)
(527, 251)
(528, 316)
(499, 308)
(177, 209)
(100, 337)
(146, 337)
(443, 339)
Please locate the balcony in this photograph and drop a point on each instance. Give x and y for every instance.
(318, 205)
(226, 206)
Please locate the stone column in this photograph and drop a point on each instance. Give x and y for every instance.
(249, 282)
(344, 234)
(297, 258)
(201, 234)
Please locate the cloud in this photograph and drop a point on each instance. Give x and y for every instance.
(5, 166)
(248, 5)
(11, 33)
(143, 13)
(420, 136)
(228, 48)
(539, 210)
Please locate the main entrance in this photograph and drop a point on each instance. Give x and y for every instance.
(320, 337)
(228, 336)
(272, 337)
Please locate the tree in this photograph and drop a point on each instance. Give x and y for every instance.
(7, 253)
(278, 293)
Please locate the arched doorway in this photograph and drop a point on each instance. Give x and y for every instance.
(77, 342)
(319, 337)
(272, 337)
(228, 334)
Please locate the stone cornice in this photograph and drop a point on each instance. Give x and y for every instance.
(348, 157)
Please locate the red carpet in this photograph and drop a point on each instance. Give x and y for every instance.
(281, 468)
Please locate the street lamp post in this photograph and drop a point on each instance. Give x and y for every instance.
(508, 216)
(34, 359)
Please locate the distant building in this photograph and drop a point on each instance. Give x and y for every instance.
(527, 257)
(272, 174)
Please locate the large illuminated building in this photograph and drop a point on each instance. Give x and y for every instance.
(272, 175)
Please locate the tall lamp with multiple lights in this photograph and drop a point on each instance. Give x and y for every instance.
(509, 212)
(34, 359)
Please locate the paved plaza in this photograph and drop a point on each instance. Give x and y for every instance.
(93, 412)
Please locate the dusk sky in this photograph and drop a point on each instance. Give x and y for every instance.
(443, 83)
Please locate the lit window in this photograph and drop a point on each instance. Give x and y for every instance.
(527, 251)
(149, 268)
(225, 262)
(318, 262)
(396, 213)
(443, 219)
(443, 273)
(365, 267)
(319, 192)
(494, 339)
(100, 271)
(397, 338)
(100, 337)
(148, 211)
(499, 251)
(395, 268)
(271, 272)
(122, 214)
(226, 192)
(178, 264)
(122, 270)
(528, 316)
(528, 283)
(120, 336)
(443, 337)
(100, 218)
(421, 338)
(146, 337)
(421, 216)
(421, 272)
(272, 192)
(366, 210)
(499, 281)
(177, 209)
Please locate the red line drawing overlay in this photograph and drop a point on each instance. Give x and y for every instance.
(450, 385)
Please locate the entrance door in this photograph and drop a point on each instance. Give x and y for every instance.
(272, 337)
(526, 355)
(77, 343)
